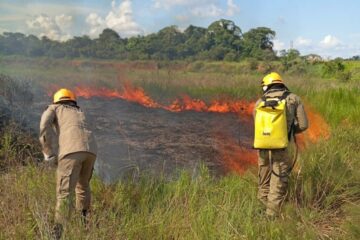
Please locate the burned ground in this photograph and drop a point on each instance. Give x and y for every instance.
(136, 139)
(131, 136)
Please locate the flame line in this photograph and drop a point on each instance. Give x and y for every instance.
(185, 103)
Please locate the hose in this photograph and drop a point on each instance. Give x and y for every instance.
(287, 173)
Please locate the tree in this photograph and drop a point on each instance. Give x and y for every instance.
(258, 43)
(137, 48)
(289, 58)
(13, 43)
(80, 47)
(108, 44)
(223, 39)
(34, 47)
(195, 40)
(225, 35)
(164, 45)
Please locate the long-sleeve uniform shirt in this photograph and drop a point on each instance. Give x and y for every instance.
(64, 130)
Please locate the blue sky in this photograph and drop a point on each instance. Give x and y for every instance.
(326, 27)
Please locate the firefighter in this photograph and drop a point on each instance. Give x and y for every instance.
(66, 138)
(275, 164)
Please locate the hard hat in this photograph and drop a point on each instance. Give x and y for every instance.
(64, 95)
(271, 78)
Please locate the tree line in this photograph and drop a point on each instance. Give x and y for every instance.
(222, 40)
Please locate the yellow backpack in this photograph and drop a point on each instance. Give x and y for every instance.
(271, 124)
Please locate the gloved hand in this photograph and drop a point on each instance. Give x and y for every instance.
(49, 159)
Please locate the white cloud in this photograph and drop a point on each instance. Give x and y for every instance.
(278, 45)
(232, 8)
(170, 3)
(302, 42)
(120, 19)
(51, 9)
(330, 41)
(201, 8)
(2, 30)
(207, 11)
(182, 18)
(97, 24)
(64, 21)
(44, 25)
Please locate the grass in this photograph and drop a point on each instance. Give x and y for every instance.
(198, 208)
(324, 194)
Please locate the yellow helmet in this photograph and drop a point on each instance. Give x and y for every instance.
(64, 95)
(271, 78)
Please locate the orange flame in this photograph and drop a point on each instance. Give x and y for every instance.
(318, 129)
(185, 103)
(130, 94)
(235, 157)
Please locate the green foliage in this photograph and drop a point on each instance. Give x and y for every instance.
(289, 58)
(336, 69)
(258, 43)
(221, 40)
(338, 106)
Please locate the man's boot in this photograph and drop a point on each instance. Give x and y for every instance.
(84, 218)
(57, 231)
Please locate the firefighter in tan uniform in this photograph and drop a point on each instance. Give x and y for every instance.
(273, 182)
(65, 137)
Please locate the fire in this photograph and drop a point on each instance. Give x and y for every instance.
(185, 103)
(235, 157)
(129, 93)
(318, 128)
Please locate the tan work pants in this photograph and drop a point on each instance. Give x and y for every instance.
(273, 189)
(74, 172)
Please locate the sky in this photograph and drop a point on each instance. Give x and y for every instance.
(329, 28)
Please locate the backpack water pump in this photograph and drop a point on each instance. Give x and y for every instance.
(271, 131)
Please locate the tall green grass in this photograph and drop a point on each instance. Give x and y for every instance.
(322, 203)
(338, 106)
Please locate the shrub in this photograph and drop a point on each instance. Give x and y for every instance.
(331, 68)
(15, 91)
(17, 147)
(230, 57)
(264, 67)
(252, 64)
(344, 76)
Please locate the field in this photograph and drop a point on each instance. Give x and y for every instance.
(324, 196)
